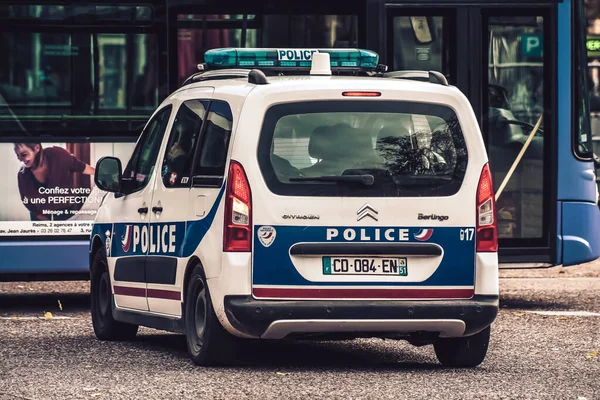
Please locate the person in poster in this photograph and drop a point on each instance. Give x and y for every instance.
(46, 183)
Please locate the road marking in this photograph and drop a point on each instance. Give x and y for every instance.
(567, 313)
(31, 318)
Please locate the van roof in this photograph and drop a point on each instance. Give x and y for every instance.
(308, 82)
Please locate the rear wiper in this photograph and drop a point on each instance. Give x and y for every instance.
(426, 177)
(365, 179)
(421, 179)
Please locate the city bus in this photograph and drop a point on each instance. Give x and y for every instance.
(84, 78)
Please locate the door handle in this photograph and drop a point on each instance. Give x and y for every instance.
(157, 209)
(143, 210)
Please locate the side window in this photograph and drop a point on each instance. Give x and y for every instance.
(215, 140)
(582, 89)
(142, 161)
(177, 163)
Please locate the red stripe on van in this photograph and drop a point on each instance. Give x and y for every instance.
(296, 293)
(164, 294)
(130, 291)
(153, 293)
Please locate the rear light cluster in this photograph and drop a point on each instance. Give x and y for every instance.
(237, 233)
(487, 232)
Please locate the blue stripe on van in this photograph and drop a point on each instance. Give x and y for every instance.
(177, 238)
(272, 264)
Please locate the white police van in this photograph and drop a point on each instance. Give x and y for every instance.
(301, 193)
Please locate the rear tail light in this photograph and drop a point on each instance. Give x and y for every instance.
(487, 232)
(237, 235)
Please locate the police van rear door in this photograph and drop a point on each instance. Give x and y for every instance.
(367, 194)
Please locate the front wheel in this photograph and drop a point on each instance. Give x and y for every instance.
(463, 352)
(105, 326)
(208, 342)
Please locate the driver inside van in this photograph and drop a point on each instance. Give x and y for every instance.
(339, 148)
(177, 157)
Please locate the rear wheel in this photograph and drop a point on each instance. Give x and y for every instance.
(466, 351)
(105, 326)
(207, 341)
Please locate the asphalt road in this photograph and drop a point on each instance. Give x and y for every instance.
(531, 356)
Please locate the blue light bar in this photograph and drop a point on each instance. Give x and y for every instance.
(340, 59)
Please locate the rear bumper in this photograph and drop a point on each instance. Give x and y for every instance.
(276, 319)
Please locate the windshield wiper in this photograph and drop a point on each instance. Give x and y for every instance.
(365, 179)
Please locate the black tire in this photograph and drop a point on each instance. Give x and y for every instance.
(468, 351)
(208, 343)
(105, 326)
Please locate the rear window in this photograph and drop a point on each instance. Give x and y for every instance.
(362, 148)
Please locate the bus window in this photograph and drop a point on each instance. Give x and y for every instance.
(582, 133)
(420, 43)
(189, 42)
(515, 83)
(199, 33)
(583, 83)
(77, 13)
(113, 82)
(67, 81)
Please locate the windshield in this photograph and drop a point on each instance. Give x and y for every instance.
(379, 148)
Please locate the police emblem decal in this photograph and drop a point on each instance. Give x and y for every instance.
(266, 235)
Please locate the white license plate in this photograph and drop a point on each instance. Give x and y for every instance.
(365, 266)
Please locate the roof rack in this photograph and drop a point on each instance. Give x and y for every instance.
(258, 76)
(424, 76)
(254, 76)
(217, 74)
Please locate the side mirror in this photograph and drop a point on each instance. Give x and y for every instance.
(108, 176)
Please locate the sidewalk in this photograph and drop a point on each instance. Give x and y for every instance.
(588, 270)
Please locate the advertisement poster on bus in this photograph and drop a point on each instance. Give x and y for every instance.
(48, 188)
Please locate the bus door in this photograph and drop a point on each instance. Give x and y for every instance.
(517, 112)
(497, 57)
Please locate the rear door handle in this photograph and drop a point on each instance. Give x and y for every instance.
(143, 210)
(157, 209)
